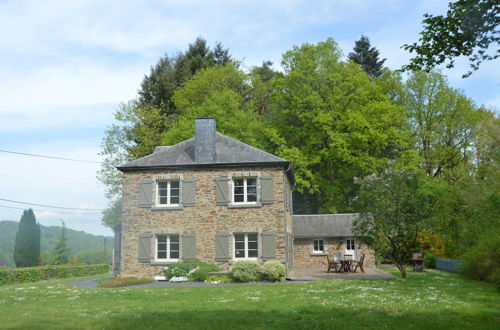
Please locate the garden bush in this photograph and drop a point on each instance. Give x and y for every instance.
(218, 279)
(429, 260)
(483, 260)
(273, 271)
(33, 274)
(245, 271)
(193, 270)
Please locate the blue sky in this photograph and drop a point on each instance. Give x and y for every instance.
(65, 66)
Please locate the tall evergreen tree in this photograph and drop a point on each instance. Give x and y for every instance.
(367, 57)
(61, 250)
(27, 244)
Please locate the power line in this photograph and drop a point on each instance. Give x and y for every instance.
(51, 206)
(59, 212)
(51, 157)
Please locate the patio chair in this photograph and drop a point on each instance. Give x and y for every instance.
(332, 263)
(359, 263)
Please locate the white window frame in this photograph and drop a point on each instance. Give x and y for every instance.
(245, 190)
(246, 257)
(157, 193)
(168, 259)
(314, 250)
(348, 243)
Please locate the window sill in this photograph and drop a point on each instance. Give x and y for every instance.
(242, 206)
(167, 208)
(163, 263)
(319, 254)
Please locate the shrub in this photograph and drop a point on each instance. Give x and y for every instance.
(193, 270)
(218, 279)
(123, 281)
(429, 260)
(274, 271)
(245, 271)
(33, 274)
(483, 260)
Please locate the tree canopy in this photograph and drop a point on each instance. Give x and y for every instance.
(27, 244)
(469, 28)
(367, 57)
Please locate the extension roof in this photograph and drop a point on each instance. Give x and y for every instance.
(228, 151)
(324, 225)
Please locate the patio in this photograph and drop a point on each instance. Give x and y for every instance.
(304, 274)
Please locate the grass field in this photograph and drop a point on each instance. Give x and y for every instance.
(431, 300)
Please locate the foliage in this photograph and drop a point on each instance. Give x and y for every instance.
(33, 274)
(429, 260)
(195, 270)
(430, 242)
(445, 301)
(123, 281)
(393, 207)
(334, 124)
(367, 57)
(61, 250)
(273, 271)
(94, 256)
(27, 244)
(482, 261)
(468, 29)
(443, 122)
(245, 271)
(218, 279)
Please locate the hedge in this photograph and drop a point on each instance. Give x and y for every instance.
(33, 274)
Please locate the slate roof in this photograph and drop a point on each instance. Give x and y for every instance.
(228, 151)
(324, 225)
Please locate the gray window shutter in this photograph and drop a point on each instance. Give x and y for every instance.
(146, 194)
(145, 243)
(268, 246)
(222, 247)
(222, 190)
(188, 247)
(188, 192)
(267, 190)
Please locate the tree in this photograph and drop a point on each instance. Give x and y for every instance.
(468, 29)
(393, 209)
(367, 57)
(334, 124)
(27, 244)
(443, 122)
(61, 252)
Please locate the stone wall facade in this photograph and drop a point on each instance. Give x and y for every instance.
(303, 256)
(205, 219)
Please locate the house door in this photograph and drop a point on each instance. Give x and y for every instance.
(350, 247)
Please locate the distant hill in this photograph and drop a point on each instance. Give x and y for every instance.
(78, 242)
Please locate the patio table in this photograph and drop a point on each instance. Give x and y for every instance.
(345, 263)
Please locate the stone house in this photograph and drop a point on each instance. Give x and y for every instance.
(318, 235)
(209, 198)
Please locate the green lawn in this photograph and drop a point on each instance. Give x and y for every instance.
(427, 301)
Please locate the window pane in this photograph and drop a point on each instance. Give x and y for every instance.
(238, 198)
(251, 198)
(252, 190)
(163, 200)
(315, 245)
(251, 182)
(162, 185)
(174, 238)
(174, 192)
(162, 255)
(252, 237)
(162, 192)
(238, 190)
(252, 245)
(239, 245)
(252, 253)
(239, 182)
(239, 237)
(161, 238)
(239, 254)
(174, 184)
(174, 254)
(174, 199)
(320, 245)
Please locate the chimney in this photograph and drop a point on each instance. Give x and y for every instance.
(204, 140)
